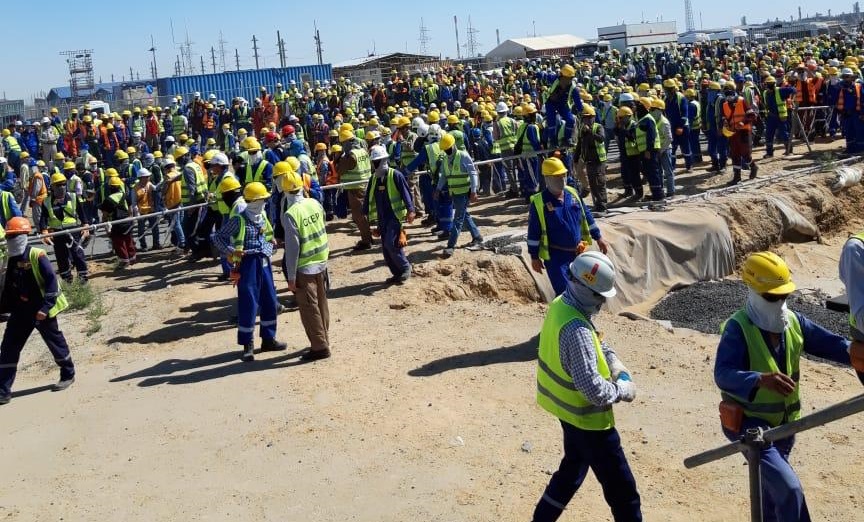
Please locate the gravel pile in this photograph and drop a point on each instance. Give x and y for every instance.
(704, 306)
(507, 245)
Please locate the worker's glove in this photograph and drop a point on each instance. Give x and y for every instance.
(617, 368)
(626, 390)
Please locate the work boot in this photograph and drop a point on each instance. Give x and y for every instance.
(362, 245)
(628, 192)
(788, 151)
(736, 178)
(443, 235)
(447, 253)
(62, 384)
(315, 355)
(4, 399)
(753, 169)
(248, 352)
(476, 244)
(428, 220)
(272, 345)
(768, 155)
(715, 166)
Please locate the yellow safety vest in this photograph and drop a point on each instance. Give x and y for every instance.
(393, 195)
(537, 201)
(308, 217)
(61, 303)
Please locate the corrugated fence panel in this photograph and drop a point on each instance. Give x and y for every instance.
(229, 84)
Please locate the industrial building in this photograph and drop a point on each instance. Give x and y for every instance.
(636, 36)
(377, 68)
(535, 47)
(11, 110)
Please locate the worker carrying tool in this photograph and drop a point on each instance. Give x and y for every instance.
(560, 226)
(33, 298)
(579, 378)
(758, 372)
(852, 275)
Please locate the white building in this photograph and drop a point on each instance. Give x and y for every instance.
(635, 36)
(534, 47)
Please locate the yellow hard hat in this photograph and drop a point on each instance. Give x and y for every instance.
(588, 110)
(121, 155)
(658, 103)
(6, 133)
(228, 184)
(767, 273)
(335, 148)
(646, 102)
(209, 155)
(553, 167)
(345, 135)
(69, 165)
(568, 71)
(157, 154)
(25, 154)
(447, 142)
(251, 144)
(625, 111)
(346, 126)
(57, 178)
(255, 191)
(434, 117)
(518, 111)
(452, 119)
(714, 86)
(211, 141)
(58, 156)
(529, 108)
(131, 150)
(115, 181)
(283, 167)
(111, 172)
(127, 112)
(294, 162)
(643, 87)
(182, 138)
(87, 119)
(320, 146)
(292, 181)
(690, 93)
(54, 110)
(670, 84)
(110, 126)
(179, 152)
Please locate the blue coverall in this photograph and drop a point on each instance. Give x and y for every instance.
(650, 166)
(529, 168)
(678, 114)
(853, 127)
(563, 231)
(388, 224)
(560, 101)
(773, 123)
(443, 208)
(717, 144)
(783, 498)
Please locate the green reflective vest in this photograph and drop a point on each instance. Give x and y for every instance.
(61, 303)
(537, 201)
(362, 171)
(697, 119)
(631, 148)
(782, 111)
(408, 153)
(642, 136)
(506, 141)
(308, 217)
(433, 155)
(70, 213)
(218, 204)
(239, 239)
(11, 144)
(178, 125)
(556, 392)
(856, 333)
(119, 200)
(200, 185)
(393, 195)
(599, 144)
(568, 95)
(5, 200)
(259, 172)
(458, 181)
(769, 405)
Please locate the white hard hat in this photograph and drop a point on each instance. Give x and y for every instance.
(502, 108)
(136, 134)
(846, 72)
(220, 159)
(220, 103)
(46, 120)
(18, 123)
(169, 139)
(625, 97)
(423, 130)
(212, 96)
(595, 271)
(278, 84)
(416, 123)
(434, 132)
(144, 173)
(378, 152)
(197, 94)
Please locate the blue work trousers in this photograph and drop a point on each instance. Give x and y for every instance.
(178, 237)
(529, 176)
(667, 167)
(151, 223)
(460, 205)
(601, 452)
(775, 127)
(718, 147)
(255, 294)
(695, 146)
(427, 189)
(682, 141)
(18, 329)
(394, 255)
(630, 178)
(651, 172)
(557, 268)
(444, 211)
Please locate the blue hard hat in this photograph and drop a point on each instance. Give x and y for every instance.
(475, 133)
(739, 77)
(296, 148)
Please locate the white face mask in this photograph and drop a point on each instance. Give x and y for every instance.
(256, 208)
(768, 316)
(16, 244)
(555, 184)
(587, 299)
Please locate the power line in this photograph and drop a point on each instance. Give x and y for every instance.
(255, 49)
(318, 50)
(222, 43)
(424, 38)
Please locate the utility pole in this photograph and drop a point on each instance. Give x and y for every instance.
(177, 66)
(131, 76)
(202, 65)
(213, 58)
(222, 43)
(318, 50)
(153, 50)
(280, 46)
(458, 49)
(237, 58)
(497, 37)
(424, 38)
(255, 48)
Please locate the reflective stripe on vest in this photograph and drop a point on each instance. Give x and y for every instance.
(12, 144)
(200, 184)
(642, 136)
(70, 215)
(769, 405)
(735, 115)
(537, 201)
(781, 105)
(556, 392)
(841, 100)
(458, 181)
(393, 195)
(60, 304)
(362, 171)
(239, 238)
(630, 146)
(507, 134)
(259, 172)
(5, 198)
(308, 217)
(600, 144)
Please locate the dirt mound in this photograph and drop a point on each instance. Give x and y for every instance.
(477, 275)
(792, 212)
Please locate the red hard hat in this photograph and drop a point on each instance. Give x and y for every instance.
(271, 137)
(288, 129)
(18, 225)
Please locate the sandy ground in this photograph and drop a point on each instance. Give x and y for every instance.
(426, 411)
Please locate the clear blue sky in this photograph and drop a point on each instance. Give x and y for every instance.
(348, 30)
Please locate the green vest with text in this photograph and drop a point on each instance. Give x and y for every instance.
(308, 217)
(396, 202)
(362, 171)
(200, 185)
(556, 392)
(769, 405)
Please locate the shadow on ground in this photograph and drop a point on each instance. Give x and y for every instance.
(522, 352)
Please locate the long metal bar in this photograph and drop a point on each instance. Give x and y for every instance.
(754, 442)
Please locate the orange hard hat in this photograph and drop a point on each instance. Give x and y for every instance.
(18, 225)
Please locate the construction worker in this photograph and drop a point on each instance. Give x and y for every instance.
(115, 207)
(62, 210)
(665, 160)
(738, 117)
(678, 114)
(777, 120)
(694, 118)
(592, 151)
(11, 149)
(8, 207)
(48, 138)
(504, 142)
(32, 297)
(579, 378)
(717, 145)
(852, 275)
(631, 161)
(305, 264)
(608, 117)
(37, 191)
(354, 167)
(758, 372)
(257, 168)
(558, 224)
(143, 196)
(459, 179)
(389, 205)
(648, 145)
(527, 142)
(246, 238)
(193, 190)
(849, 103)
(560, 99)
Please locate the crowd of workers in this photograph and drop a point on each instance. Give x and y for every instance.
(245, 181)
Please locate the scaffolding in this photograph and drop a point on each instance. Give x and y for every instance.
(80, 73)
